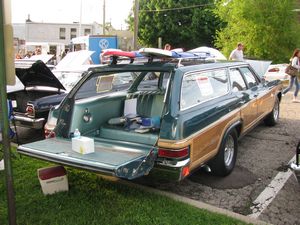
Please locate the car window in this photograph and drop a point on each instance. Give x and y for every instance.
(250, 77)
(237, 81)
(150, 81)
(202, 86)
(69, 79)
(100, 84)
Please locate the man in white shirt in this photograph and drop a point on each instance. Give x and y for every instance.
(237, 54)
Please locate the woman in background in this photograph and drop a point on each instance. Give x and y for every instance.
(294, 79)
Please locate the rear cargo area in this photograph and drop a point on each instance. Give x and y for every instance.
(102, 111)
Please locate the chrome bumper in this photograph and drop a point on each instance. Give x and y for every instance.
(24, 121)
(169, 171)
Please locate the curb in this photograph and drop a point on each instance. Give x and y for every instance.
(197, 204)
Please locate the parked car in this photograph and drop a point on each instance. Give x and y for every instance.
(39, 87)
(38, 81)
(277, 72)
(171, 121)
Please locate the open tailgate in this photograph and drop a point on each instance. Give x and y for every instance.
(120, 159)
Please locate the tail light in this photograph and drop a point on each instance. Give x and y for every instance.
(185, 171)
(49, 133)
(30, 110)
(274, 70)
(173, 153)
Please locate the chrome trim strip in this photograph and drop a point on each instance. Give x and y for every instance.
(178, 164)
(43, 88)
(26, 119)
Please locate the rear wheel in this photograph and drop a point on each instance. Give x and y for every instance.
(224, 161)
(273, 117)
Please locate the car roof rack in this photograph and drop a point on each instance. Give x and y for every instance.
(192, 61)
(186, 61)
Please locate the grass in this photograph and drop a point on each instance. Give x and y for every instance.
(93, 200)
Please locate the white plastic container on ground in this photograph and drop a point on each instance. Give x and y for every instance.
(53, 179)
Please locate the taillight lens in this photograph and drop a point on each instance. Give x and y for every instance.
(30, 110)
(185, 171)
(173, 153)
(49, 134)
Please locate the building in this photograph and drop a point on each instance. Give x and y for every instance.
(51, 37)
(54, 32)
(55, 37)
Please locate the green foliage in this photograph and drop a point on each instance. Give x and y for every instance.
(182, 28)
(93, 200)
(268, 28)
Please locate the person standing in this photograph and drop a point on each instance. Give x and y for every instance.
(237, 54)
(294, 79)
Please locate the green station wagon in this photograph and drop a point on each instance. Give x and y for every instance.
(169, 122)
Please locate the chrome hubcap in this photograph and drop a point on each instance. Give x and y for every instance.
(229, 150)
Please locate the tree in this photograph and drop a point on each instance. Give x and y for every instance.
(188, 27)
(268, 28)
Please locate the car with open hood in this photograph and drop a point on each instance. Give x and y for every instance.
(38, 87)
(35, 81)
(172, 120)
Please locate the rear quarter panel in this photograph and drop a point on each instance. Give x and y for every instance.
(202, 128)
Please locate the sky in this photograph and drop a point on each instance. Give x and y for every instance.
(68, 11)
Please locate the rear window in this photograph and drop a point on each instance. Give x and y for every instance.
(202, 86)
(99, 84)
(151, 81)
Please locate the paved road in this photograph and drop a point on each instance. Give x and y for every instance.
(262, 154)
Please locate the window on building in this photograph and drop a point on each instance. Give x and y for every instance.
(62, 33)
(87, 31)
(73, 33)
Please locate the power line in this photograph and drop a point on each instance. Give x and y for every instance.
(173, 9)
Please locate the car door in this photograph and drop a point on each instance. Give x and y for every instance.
(265, 98)
(205, 105)
(247, 95)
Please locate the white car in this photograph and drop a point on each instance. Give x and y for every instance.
(277, 72)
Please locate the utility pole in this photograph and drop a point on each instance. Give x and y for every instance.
(4, 24)
(103, 18)
(136, 24)
(80, 19)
